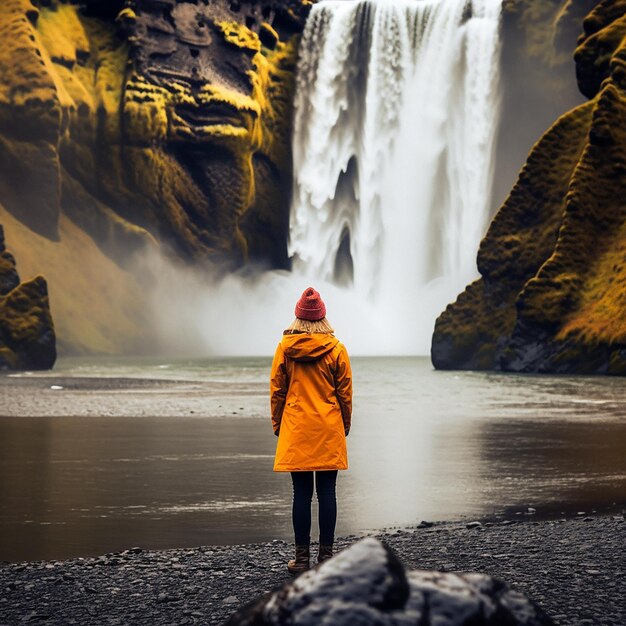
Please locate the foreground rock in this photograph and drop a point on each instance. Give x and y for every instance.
(367, 584)
(27, 339)
(552, 292)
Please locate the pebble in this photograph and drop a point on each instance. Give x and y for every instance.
(231, 600)
(164, 597)
(560, 565)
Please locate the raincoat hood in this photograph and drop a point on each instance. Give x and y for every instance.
(308, 347)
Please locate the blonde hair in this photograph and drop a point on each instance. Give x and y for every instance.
(307, 326)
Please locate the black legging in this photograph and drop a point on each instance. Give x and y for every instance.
(302, 494)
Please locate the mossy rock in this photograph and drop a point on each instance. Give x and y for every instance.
(140, 122)
(552, 292)
(9, 278)
(27, 339)
(167, 128)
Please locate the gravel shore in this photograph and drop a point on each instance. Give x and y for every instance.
(574, 568)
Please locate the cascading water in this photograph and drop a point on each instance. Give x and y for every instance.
(396, 114)
(396, 110)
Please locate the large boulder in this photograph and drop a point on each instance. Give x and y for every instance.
(27, 338)
(367, 585)
(552, 292)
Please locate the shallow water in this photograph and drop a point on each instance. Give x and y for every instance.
(164, 453)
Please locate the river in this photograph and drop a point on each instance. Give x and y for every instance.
(104, 454)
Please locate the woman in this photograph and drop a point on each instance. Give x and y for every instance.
(311, 404)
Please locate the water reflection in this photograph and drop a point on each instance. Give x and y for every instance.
(180, 465)
(564, 465)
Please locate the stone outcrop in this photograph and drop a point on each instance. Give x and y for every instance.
(552, 292)
(151, 120)
(159, 123)
(367, 584)
(27, 338)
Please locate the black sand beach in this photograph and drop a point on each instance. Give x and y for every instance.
(574, 568)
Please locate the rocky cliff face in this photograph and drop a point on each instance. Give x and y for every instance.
(552, 292)
(27, 338)
(162, 123)
(169, 120)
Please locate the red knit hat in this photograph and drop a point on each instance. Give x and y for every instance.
(310, 306)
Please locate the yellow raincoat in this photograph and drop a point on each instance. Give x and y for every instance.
(311, 403)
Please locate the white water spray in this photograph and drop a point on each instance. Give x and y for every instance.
(396, 111)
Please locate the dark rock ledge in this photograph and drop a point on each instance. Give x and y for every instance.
(573, 569)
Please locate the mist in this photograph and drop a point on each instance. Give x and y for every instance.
(197, 311)
(385, 227)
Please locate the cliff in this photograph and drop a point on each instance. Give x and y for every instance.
(552, 292)
(537, 78)
(146, 123)
(27, 338)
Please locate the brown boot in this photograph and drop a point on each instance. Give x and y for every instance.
(325, 553)
(301, 562)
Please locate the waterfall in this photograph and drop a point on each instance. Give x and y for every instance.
(396, 111)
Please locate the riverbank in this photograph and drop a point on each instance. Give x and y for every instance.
(573, 568)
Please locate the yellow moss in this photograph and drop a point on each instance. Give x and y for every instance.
(24, 312)
(239, 35)
(61, 38)
(269, 31)
(595, 54)
(273, 88)
(277, 88)
(126, 14)
(62, 33)
(601, 316)
(26, 87)
(145, 111)
(96, 306)
(110, 56)
(107, 155)
(557, 248)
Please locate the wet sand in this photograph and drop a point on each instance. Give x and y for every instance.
(573, 568)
